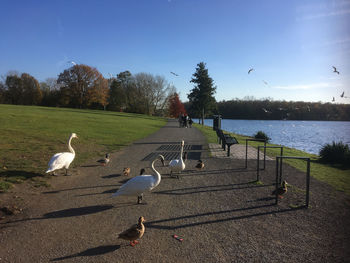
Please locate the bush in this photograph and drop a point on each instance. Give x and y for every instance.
(262, 135)
(335, 153)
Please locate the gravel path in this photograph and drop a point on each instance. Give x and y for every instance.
(222, 215)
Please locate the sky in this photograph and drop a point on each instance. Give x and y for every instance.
(291, 45)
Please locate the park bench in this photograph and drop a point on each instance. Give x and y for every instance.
(225, 140)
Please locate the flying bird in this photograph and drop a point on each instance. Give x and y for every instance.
(250, 70)
(265, 110)
(342, 95)
(333, 99)
(335, 70)
(174, 74)
(265, 83)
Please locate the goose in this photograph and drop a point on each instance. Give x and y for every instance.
(138, 185)
(105, 160)
(134, 232)
(200, 165)
(62, 160)
(178, 165)
(126, 171)
(281, 190)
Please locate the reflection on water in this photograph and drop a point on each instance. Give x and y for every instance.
(308, 136)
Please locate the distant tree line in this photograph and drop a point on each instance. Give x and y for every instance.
(268, 109)
(82, 86)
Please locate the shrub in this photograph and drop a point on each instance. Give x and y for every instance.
(335, 153)
(262, 135)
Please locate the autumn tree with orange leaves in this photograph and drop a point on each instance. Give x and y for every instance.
(175, 106)
(83, 86)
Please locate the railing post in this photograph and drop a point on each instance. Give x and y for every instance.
(307, 182)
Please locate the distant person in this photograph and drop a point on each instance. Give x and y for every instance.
(190, 122)
(180, 119)
(185, 121)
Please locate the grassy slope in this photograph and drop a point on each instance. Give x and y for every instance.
(336, 177)
(29, 136)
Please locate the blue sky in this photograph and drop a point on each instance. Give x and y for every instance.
(292, 45)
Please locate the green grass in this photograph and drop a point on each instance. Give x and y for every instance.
(30, 135)
(337, 177)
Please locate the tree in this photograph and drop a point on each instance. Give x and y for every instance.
(23, 90)
(147, 94)
(202, 95)
(51, 92)
(118, 91)
(31, 90)
(82, 86)
(175, 106)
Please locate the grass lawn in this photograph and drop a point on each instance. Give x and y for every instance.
(337, 177)
(30, 135)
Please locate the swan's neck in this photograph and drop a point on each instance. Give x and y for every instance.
(181, 152)
(157, 174)
(69, 146)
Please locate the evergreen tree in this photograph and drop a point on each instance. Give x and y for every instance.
(202, 95)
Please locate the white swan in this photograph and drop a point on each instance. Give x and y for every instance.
(138, 185)
(62, 160)
(178, 165)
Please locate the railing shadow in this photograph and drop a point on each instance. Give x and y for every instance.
(157, 224)
(77, 188)
(205, 189)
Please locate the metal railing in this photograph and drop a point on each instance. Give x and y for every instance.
(246, 150)
(279, 175)
(258, 159)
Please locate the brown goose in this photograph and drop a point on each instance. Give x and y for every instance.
(126, 171)
(134, 232)
(281, 190)
(200, 165)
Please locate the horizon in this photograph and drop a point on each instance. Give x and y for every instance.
(291, 46)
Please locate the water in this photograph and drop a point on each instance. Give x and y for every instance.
(308, 136)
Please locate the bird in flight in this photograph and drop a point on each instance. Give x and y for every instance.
(250, 70)
(333, 99)
(335, 70)
(174, 73)
(266, 111)
(343, 95)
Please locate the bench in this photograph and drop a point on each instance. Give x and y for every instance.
(225, 139)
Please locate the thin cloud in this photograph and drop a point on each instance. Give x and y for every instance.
(60, 28)
(62, 62)
(305, 86)
(323, 15)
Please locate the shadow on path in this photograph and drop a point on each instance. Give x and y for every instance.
(91, 252)
(224, 187)
(157, 223)
(70, 212)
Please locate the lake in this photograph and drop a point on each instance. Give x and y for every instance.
(308, 136)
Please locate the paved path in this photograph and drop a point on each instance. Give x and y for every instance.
(238, 151)
(222, 215)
